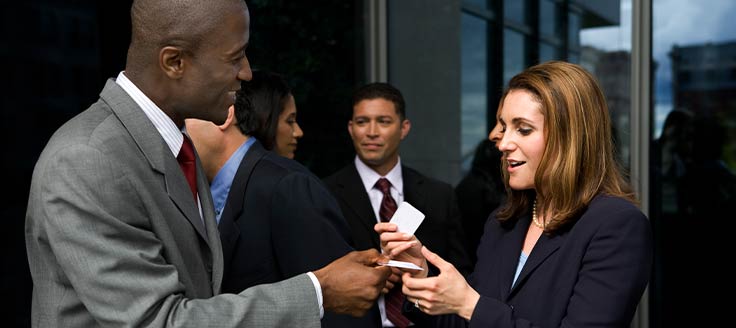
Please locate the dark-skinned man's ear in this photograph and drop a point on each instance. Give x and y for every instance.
(171, 61)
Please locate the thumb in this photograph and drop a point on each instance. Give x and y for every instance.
(436, 260)
(367, 257)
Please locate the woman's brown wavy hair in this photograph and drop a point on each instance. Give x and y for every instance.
(578, 162)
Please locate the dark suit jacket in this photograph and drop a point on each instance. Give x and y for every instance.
(440, 231)
(592, 274)
(279, 221)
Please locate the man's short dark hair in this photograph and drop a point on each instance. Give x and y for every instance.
(382, 90)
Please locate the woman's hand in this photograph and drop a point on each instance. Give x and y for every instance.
(402, 247)
(446, 293)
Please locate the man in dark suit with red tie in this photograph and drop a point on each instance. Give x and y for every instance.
(370, 189)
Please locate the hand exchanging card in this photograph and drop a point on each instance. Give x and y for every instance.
(407, 220)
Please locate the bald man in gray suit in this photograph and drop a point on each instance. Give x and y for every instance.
(114, 233)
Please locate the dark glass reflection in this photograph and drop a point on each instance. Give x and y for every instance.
(515, 10)
(514, 54)
(481, 4)
(693, 171)
(549, 20)
(474, 83)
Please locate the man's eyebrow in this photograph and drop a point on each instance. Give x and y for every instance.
(239, 50)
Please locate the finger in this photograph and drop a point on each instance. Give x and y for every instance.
(418, 284)
(387, 237)
(396, 249)
(385, 271)
(436, 260)
(415, 301)
(383, 259)
(367, 257)
(395, 275)
(421, 296)
(389, 285)
(382, 227)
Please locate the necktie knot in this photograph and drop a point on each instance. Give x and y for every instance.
(388, 204)
(383, 185)
(186, 154)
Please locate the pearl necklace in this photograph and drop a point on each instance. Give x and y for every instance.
(535, 220)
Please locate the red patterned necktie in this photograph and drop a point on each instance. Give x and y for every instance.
(388, 204)
(187, 164)
(395, 298)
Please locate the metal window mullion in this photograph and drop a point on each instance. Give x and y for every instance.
(641, 100)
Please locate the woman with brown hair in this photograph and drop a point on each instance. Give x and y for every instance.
(569, 247)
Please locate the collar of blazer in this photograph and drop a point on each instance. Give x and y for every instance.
(545, 246)
(229, 231)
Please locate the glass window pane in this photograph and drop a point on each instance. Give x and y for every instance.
(605, 50)
(483, 4)
(514, 54)
(549, 18)
(693, 185)
(573, 30)
(547, 52)
(515, 10)
(474, 98)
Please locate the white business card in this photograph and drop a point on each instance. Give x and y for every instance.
(402, 264)
(408, 218)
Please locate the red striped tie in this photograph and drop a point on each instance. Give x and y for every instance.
(187, 164)
(395, 298)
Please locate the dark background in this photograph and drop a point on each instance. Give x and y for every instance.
(57, 55)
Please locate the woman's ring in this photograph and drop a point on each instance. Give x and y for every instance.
(416, 303)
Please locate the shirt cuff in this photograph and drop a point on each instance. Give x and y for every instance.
(318, 289)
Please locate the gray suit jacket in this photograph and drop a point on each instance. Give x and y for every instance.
(114, 238)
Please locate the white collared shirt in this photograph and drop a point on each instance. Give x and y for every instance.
(370, 177)
(163, 123)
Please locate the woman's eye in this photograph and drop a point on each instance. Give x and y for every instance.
(524, 131)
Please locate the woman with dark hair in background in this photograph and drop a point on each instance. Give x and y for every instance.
(275, 110)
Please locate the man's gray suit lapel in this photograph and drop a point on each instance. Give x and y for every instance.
(156, 153)
(210, 222)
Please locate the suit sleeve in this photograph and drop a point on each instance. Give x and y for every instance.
(79, 227)
(309, 230)
(612, 277)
